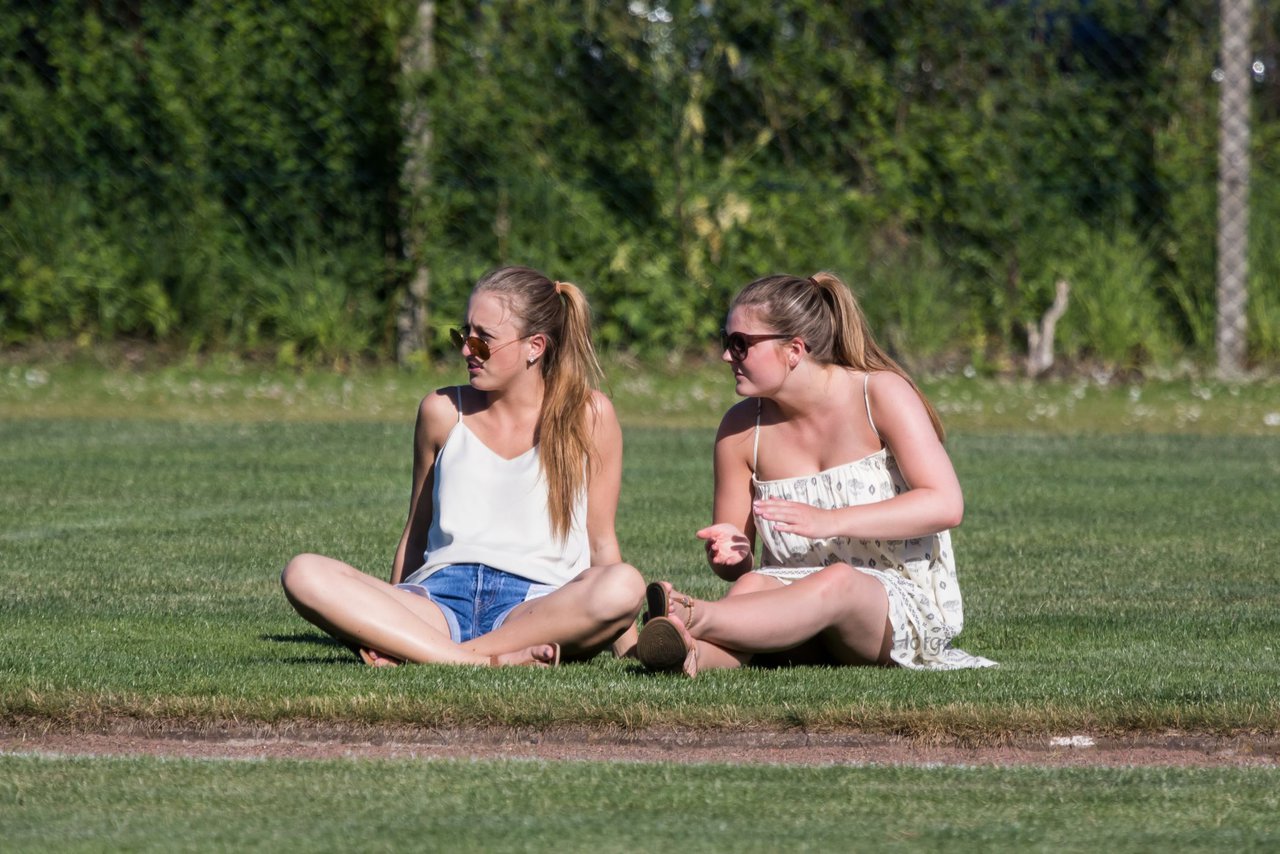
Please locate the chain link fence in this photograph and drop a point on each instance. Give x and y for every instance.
(1007, 186)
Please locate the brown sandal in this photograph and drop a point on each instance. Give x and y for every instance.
(666, 645)
(659, 597)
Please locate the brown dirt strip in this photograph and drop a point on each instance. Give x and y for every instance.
(308, 740)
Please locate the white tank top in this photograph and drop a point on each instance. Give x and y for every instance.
(491, 510)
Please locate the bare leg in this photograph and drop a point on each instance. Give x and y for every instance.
(369, 612)
(847, 609)
(711, 656)
(585, 616)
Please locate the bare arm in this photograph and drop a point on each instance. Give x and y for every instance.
(730, 539)
(605, 484)
(436, 416)
(934, 501)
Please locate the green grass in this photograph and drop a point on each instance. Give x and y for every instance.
(677, 395)
(1117, 558)
(1125, 581)
(168, 805)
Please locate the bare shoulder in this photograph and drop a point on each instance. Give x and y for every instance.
(441, 402)
(739, 419)
(889, 387)
(735, 438)
(601, 408)
(896, 405)
(438, 412)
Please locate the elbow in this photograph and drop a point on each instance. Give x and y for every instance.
(732, 573)
(725, 573)
(953, 514)
(943, 508)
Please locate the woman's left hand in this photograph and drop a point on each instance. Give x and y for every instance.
(792, 517)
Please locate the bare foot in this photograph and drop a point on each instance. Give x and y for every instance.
(373, 658)
(540, 655)
(690, 665)
(663, 600)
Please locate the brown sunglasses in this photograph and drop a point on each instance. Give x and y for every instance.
(738, 343)
(478, 347)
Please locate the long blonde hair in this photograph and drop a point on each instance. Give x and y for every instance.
(570, 372)
(821, 311)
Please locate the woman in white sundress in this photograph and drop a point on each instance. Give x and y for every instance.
(835, 463)
(509, 555)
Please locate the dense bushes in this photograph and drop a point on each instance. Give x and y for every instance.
(226, 174)
(213, 172)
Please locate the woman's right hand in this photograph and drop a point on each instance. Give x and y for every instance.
(727, 547)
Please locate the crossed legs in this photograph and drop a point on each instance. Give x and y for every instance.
(843, 612)
(583, 616)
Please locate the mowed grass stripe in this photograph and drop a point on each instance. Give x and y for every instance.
(184, 805)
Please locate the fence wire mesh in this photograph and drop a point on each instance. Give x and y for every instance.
(325, 179)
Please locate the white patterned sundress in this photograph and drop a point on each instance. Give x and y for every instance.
(919, 575)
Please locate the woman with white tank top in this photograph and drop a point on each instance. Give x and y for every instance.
(509, 554)
(835, 462)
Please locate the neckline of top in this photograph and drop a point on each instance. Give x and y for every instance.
(883, 452)
(499, 456)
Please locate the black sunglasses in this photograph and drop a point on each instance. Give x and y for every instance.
(478, 347)
(738, 343)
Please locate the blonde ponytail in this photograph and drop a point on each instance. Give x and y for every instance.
(570, 371)
(571, 375)
(821, 311)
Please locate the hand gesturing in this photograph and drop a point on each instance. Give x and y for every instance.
(726, 545)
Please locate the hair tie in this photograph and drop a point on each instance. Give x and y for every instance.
(559, 286)
(811, 280)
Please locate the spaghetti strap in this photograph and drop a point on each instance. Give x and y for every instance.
(755, 450)
(457, 391)
(866, 398)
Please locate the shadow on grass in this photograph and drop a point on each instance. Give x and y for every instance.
(639, 671)
(315, 639)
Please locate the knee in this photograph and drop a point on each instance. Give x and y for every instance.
(753, 582)
(840, 580)
(618, 593)
(299, 576)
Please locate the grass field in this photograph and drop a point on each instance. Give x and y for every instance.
(1117, 558)
(139, 805)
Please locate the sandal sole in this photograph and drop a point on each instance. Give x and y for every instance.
(661, 646)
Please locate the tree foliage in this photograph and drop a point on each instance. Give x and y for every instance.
(169, 165)
(226, 173)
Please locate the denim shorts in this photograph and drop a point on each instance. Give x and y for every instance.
(475, 598)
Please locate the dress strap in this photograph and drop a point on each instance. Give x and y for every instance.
(457, 391)
(866, 398)
(755, 450)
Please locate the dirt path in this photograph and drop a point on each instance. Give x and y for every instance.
(316, 741)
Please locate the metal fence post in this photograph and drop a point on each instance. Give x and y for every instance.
(1233, 186)
(416, 61)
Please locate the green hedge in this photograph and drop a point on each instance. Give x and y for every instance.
(227, 174)
(201, 171)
